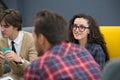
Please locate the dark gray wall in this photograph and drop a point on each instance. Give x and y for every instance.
(106, 12)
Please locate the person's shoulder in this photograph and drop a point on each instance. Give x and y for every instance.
(114, 62)
(27, 34)
(94, 45)
(36, 61)
(111, 70)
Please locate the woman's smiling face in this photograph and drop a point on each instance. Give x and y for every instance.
(80, 28)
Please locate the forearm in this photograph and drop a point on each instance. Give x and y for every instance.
(24, 64)
(18, 68)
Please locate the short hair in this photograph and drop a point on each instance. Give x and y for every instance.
(12, 17)
(52, 25)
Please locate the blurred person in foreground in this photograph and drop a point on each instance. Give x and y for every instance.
(60, 59)
(111, 70)
(24, 50)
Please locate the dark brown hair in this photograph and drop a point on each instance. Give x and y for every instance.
(52, 25)
(12, 17)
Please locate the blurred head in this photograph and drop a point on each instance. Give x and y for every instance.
(10, 22)
(49, 28)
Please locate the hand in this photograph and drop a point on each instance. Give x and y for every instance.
(2, 57)
(12, 56)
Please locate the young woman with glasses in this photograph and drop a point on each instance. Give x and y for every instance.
(85, 31)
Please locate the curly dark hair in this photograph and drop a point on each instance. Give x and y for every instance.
(95, 35)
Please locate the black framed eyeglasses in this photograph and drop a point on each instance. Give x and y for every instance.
(80, 28)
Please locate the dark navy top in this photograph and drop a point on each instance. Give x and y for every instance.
(97, 53)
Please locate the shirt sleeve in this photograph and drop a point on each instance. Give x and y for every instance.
(100, 56)
(34, 71)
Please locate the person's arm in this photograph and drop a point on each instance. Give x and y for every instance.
(32, 55)
(100, 56)
(34, 71)
(1, 64)
(28, 53)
